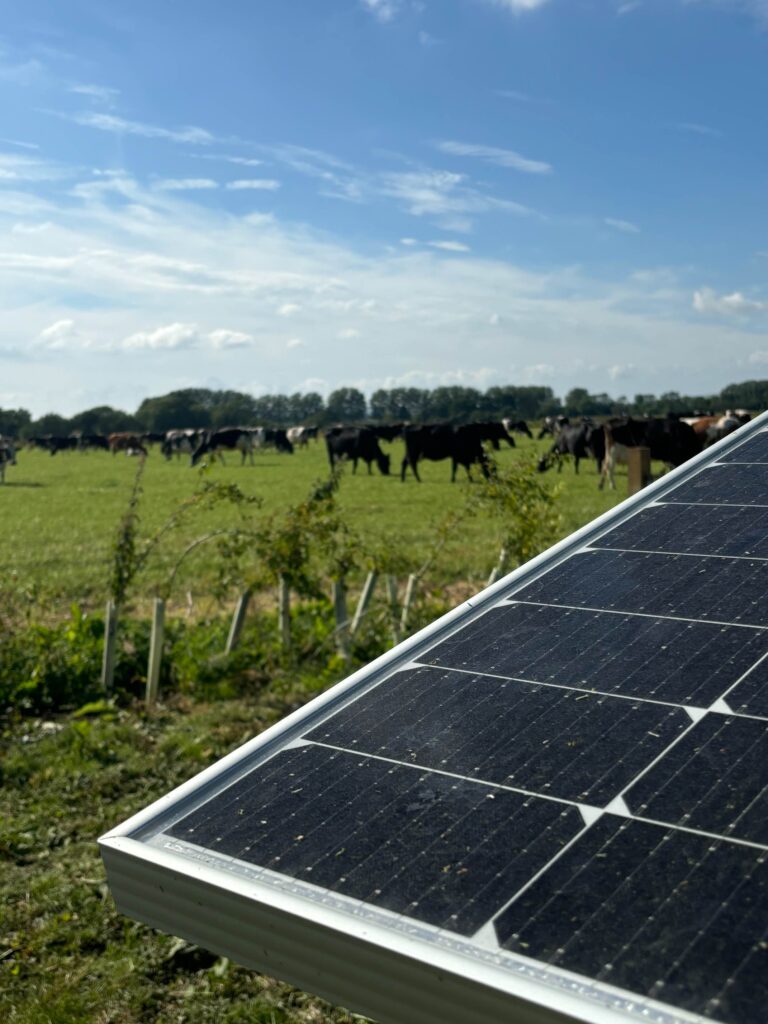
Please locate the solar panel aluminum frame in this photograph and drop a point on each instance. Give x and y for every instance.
(349, 952)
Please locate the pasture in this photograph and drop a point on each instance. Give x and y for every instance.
(66, 955)
(60, 515)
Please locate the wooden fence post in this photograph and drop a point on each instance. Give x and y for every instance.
(341, 616)
(110, 637)
(392, 596)
(365, 599)
(238, 621)
(410, 587)
(638, 469)
(284, 613)
(155, 651)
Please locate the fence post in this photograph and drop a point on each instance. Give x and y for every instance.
(365, 599)
(409, 589)
(392, 596)
(110, 637)
(284, 612)
(155, 650)
(238, 621)
(638, 469)
(341, 616)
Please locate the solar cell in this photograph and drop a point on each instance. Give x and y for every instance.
(552, 805)
(727, 484)
(675, 661)
(694, 530)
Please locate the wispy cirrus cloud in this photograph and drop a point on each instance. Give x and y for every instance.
(186, 184)
(518, 6)
(495, 155)
(382, 10)
(121, 126)
(443, 193)
(626, 226)
(695, 128)
(98, 93)
(258, 184)
(450, 246)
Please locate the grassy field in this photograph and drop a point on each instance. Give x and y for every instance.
(66, 956)
(60, 515)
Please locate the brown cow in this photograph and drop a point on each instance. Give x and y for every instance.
(126, 442)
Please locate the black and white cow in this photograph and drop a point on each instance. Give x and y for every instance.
(580, 441)
(517, 427)
(180, 442)
(7, 456)
(214, 442)
(356, 443)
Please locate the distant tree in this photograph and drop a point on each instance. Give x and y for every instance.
(305, 409)
(14, 422)
(345, 405)
(50, 423)
(103, 419)
(177, 410)
(751, 394)
(398, 404)
(233, 409)
(454, 403)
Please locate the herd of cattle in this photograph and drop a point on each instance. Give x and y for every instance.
(671, 440)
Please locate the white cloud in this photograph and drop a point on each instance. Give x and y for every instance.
(695, 128)
(59, 335)
(120, 126)
(448, 246)
(441, 193)
(348, 333)
(706, 300)
(186, 184)
(759, 358)
(288, 309)
(223, 338)
(266, 184)
(518, 6)
(622, 225)
(31, 229)
(408, 241)
(243, 161)
(382, 10)
(173, 336)
(627, 8)
(294, 343)
(619, 370)
(495, 155)
(99, 93)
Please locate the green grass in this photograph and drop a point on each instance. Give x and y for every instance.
(60, 515)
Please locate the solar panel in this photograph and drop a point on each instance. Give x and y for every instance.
(551, 805)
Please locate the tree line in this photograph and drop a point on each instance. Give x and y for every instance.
(203, 407)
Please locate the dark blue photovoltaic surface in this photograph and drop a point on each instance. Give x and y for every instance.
(714, 779)
(694, 529)
(439, 849)
(545, 739)
(750, 697)
(753, 450)
(686, 586)
(658, 659)
(734, 484)
(665, 913)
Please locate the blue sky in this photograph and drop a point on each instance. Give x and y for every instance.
(300, 194)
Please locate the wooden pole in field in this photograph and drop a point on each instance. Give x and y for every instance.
(110, 638)
(341, 615)
(238, 621)
(410, 587)
(155, 651)
(365, 599)
(284, 613)
(392, 596)
(638, 469)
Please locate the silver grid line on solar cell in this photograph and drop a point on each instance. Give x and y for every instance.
(396, 965)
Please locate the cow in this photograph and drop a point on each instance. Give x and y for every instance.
(356, 443)
(517, 427)
(495, 432)
(232, 438)
(301, 436)
(552, 426)
(7, 456)
(669, 440)
(53, 443)
(462, 445)
(125, 441)
(714, 428)
(277, 436)
(95, 441)
(388, 431)
(180, 442)
(581, 440)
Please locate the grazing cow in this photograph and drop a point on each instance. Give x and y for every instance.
(7, 456)
(517, 427)
(356, 443)
(581, 440)
(462, 445)
(278, 437)
(301, 436)
(95, 441)
(669, 440)
(388, 431)
(615, 454)
(552, 426)
(494, 432)
(714, 428)
(180, 442)
(125, 441)
(232, 438)
(53, 443)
